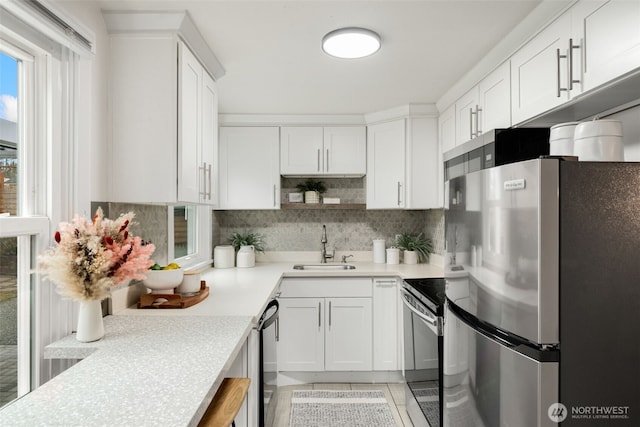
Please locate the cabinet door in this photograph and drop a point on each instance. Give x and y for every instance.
(249, 168)
(301, 338)
(345, 150)
(209, 146)
(447, 129)
(466, 120)
(386, 342)
(386, 165)
(190, 172)
(495, 99)
(348, 334)
(301, 150)
(608, 36)
(539, 73)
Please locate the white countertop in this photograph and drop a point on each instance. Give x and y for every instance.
(246, 291)
(146, 371)
(163, 366)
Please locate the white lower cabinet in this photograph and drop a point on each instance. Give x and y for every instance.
(386, 315)
(325, 325)
(348, 334)
(301, 335)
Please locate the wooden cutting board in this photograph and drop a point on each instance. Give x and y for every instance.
(174, 300)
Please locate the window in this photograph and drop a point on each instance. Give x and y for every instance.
(189, 235)
(39, 64)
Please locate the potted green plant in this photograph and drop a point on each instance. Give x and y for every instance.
(246, 246)
(312, 189)
(237, 240)
(416, 247)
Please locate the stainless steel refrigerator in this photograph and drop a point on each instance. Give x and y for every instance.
(542, 324)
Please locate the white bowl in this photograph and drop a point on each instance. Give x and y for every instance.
(163, 281)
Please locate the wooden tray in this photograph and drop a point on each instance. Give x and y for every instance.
(174, 300)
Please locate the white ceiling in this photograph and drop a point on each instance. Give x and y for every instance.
(271, 49)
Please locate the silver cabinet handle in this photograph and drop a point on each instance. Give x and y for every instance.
(326, 166)
(571, 79)
(329, 314)
(478, 110)
(399, 191)
(274, 195)
(471, 114)
(318, 160)
(202, 191)
(319, 308)
(208, 194)
(385, 283)
(277, 329)
(558, 57)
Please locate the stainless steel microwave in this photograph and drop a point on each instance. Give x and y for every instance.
(494, 148)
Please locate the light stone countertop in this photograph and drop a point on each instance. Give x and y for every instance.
(163, 367)
(247, 291)
(146, 371)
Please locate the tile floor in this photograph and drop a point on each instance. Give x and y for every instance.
(393, 392)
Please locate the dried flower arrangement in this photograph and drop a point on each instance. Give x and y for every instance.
(91, 256)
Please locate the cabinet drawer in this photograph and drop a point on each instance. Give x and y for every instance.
(313, 287)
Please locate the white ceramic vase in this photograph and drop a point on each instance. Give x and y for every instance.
(410, 257)
(246, 256)
(90, 325)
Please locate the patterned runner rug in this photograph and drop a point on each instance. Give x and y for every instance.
(333, 408)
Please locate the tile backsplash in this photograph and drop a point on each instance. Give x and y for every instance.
(300, 230)
(292, 230)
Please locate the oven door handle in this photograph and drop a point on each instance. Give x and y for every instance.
(427, 319)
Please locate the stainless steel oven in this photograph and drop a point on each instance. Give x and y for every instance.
(268, 390)
(423, 310)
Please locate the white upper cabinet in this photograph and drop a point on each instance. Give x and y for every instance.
(404, 167)
(447, 128)
(467, 116)
(539, 72)
(249, 168)
(162, 111)
(197, 131)
(606, 41)
(494, 93)
(316, 150)
(386, 165)
(487, 106)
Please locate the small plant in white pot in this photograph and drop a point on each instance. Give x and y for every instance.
(246, 245)
(312, 190)
(416, 247)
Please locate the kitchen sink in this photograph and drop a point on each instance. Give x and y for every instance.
(324, 267)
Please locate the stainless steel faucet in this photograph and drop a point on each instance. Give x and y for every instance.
(324, 241)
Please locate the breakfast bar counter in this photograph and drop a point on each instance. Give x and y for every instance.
(163, 366)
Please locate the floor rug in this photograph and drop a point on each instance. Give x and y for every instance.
(333, 408)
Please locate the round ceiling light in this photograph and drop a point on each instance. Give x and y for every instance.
(351, 43)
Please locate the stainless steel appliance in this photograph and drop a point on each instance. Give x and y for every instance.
(543, 295)
(423, 346)
(268, 390)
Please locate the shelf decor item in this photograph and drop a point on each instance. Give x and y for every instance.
(91, 256)
(416, 247)
(312, 190)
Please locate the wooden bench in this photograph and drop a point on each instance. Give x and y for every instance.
(226, 403)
